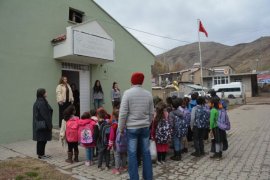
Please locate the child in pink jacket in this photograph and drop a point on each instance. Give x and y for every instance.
(87, 133)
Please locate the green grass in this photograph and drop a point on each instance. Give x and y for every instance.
(31, 174)
(20, 177)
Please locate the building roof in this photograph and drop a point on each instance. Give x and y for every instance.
(238, 74)
(122, 27)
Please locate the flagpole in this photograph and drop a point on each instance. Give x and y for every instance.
(200, 54)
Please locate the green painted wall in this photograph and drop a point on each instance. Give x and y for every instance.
(26, 58)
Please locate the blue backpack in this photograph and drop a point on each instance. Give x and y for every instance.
(180, 126)
(223, 120)
(163, 132)
(187, 116)
(121, 141)
(202, 116)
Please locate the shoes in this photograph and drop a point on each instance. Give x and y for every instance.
(184, 150)
(217, 156)
(159, 163)
(44, 156)
(115, 171)
(107, 168)
(123, 169)
(195, 154)
(87, 163)
(99, 169)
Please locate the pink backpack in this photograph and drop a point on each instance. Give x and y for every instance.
(87, 134)
(72, 129)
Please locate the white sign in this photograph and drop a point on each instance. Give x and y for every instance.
(92, 46)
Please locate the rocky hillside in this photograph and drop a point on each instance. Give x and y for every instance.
(242, 57)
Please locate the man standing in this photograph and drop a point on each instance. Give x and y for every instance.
(136, 112)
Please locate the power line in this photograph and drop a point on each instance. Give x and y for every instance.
(165, 37)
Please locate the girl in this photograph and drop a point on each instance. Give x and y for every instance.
(160, 131)
(218, 133)
(64, 96)
(103, 137)
(120, 157)
(71, 133)
(116, 95)
(187, 116)
(177, 122)
(98, 95)
(87, 133)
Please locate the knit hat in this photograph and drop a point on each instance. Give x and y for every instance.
(137, 78)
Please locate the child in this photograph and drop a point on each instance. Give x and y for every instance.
(161, 131)
(87, 133)
(93, 115)
(214, 128)
(71, 133)
(119, 156)
(187, 116)
(103, 139)
(199, 123)
(179, 128)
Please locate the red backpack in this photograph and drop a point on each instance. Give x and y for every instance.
(72, 129)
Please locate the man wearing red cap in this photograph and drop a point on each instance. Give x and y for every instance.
(136, 114)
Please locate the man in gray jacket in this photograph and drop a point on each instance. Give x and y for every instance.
(136, 112)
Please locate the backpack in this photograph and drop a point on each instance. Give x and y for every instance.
(72, 129)
(163, 132)
(180, 126)
(121, 141)
(187, 116)
(202, 116)
(105, 133)
(223, 120)
(87, 134)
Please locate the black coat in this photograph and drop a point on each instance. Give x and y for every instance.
(42, 111)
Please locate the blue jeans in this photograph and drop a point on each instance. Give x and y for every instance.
(88, 154)
(98, 103)
(177, 143)
(140, 136)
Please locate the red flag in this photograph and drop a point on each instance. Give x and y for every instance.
(201, 29)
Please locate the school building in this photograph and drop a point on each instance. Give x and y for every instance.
(43, 40)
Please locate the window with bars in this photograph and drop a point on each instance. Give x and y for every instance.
(72, 66)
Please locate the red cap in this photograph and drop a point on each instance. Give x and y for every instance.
(137, 78)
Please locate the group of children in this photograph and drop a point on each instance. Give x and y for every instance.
(180, 121)
(175, 124)
(96, 131)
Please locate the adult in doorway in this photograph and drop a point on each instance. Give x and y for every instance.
(42, 122)
(98, 95)
(115, 94)
(64, 97)
(136, 113)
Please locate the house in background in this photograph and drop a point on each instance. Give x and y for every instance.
(226, 74)
(44, 40)
(189, 76)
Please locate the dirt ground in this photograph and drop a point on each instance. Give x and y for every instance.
(263, 98)
(29, 168)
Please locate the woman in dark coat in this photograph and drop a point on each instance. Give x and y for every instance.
(42, 122)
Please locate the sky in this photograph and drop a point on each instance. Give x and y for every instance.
(229, 22)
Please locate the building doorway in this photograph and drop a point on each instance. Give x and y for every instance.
(79, 75)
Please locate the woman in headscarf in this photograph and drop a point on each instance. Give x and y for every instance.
(42, 122)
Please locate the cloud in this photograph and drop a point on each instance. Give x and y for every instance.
(227, 21)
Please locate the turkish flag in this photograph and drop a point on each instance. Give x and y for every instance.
(201, 29)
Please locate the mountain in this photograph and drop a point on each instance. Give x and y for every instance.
(242, 57)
